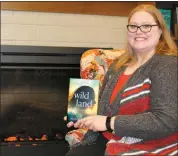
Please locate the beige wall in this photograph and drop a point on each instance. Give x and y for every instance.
(58, 29)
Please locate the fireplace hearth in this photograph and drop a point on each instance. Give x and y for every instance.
(34, 96)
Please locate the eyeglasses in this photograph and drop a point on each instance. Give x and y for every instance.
(144, 28)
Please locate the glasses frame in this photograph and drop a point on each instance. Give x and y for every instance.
(139, 27)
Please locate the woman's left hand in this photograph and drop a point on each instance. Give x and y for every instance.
(95, 123)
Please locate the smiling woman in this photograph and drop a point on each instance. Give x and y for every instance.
(144, 79)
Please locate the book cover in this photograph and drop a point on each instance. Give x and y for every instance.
(82, 98)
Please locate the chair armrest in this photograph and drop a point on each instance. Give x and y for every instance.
(75, 136)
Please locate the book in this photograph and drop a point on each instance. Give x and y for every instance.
(82, 98)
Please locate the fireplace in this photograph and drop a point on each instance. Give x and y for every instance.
(34, 94)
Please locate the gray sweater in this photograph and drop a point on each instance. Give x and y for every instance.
(160, 120)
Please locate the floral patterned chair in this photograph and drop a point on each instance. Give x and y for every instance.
(94, 64)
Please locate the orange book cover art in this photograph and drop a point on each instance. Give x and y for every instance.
(83, 98)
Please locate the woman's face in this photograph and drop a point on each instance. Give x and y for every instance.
(143, 41)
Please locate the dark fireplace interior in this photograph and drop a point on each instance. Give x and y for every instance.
(34, 96)
(34, 102)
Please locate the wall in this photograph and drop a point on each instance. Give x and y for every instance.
(60, 29)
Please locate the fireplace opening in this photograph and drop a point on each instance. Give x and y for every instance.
(33, 103)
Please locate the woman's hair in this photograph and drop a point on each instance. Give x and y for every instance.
(165, 46)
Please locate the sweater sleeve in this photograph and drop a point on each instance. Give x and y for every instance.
(161, 119)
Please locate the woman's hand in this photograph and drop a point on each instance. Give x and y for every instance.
(95, 123)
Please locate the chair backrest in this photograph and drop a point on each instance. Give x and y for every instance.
(94, 63)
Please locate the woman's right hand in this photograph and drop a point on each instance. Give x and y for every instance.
(69, 124)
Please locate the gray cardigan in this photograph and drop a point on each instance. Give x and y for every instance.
(161, 119)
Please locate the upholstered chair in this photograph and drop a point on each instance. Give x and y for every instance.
(94, 64)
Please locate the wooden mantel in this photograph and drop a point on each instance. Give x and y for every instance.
(115, 8)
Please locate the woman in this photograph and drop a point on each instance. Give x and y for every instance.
(138, 99)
